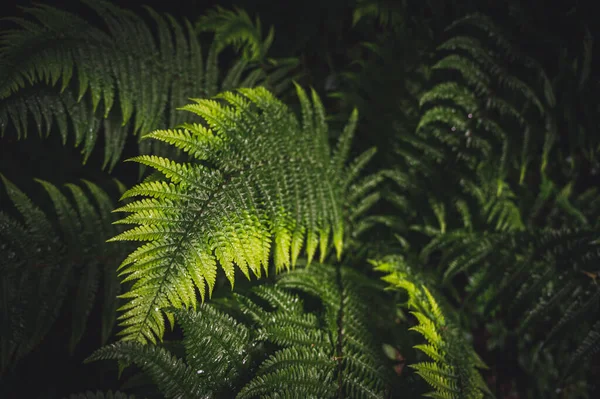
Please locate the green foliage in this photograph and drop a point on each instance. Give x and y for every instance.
(464, 186)
(489, 157)
(265, 344)
(534, 277)
(265, 182)
(63, 70)
(453, 372)
(387, 13)
(44, 260)
(236, 28)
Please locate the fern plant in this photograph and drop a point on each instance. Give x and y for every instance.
(453, 372)
(61, 69)
(263, 182)
(45, 260)
(467, 212)
(265, 344)
(495, 219)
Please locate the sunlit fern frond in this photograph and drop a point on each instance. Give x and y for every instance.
(119, 78)
(265, 344)
(453, 369)
(263, 182)
(44, 257)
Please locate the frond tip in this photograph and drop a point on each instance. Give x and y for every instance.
(271, 186)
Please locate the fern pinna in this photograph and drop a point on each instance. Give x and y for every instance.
(265, 344)
(263, 182)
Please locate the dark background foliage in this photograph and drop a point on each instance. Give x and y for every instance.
(319, 33)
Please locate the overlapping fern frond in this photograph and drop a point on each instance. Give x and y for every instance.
(453, 371)
(265, 344)
(42, 258)
(388, 13)
(486, 130)
(479, 102)
(263, 182)
(61, 70)
(544, 284)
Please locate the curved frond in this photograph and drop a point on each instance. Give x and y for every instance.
(266, 183)
(236, 28)
(117, 78)
(268, 337)
(453, 373)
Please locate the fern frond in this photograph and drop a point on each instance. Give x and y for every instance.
(387, 13)
(268, 336)
(454, 370)
(41, 259)
(214, 342)
(271, 186)
(174, 378)
(236, 28)
(116, 78)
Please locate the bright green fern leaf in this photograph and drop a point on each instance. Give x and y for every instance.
(263, 183)
(453, 373)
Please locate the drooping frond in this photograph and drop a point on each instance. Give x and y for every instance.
(174, 378)
(480, 103)
(266, 183)
(273, 341)
(359, 364)
(61, 69)
(453, 371)
(42, 257)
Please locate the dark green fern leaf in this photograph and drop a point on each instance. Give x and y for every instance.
(267, 337)
(237, 29)
(117, 79)
(43, 257)
(174, 378)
